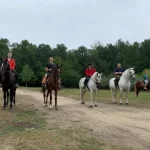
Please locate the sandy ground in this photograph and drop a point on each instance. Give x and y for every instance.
(121, 126)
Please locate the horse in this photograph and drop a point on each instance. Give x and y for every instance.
(52, 84)
(140, 86)
(8, 83)
(92, 86)
(124, 84)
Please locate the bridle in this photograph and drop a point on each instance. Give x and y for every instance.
(96, 79)
(131, 75)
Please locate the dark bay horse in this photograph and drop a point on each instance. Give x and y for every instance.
(8, 83)
(140, 86)
(52, 84)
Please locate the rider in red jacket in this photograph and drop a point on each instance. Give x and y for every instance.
(89, 72)
(12, 63)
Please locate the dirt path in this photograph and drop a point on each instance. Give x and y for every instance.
(122, 126)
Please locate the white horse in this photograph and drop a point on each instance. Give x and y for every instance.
(92, 85)
(124, 84)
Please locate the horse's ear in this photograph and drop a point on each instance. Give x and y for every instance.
(101, 73)
(134, 68)
(0, 59)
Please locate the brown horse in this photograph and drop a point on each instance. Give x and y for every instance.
(140, 86)
(52, 84)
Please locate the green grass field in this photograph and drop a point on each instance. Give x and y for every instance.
(105, 96)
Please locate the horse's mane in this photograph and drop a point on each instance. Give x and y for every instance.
(93, 76)
(125, 72)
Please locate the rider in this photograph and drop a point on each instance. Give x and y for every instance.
(118, 72)
(48, 68)
(145, 77)
(12, 63)
(89, 72)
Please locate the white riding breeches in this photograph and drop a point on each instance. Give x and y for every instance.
(146, 82)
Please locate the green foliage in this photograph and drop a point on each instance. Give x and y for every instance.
(75, 61)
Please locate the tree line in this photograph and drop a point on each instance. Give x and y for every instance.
(31, 59)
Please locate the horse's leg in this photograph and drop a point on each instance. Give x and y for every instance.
(137, 92)
(56, 99)
(11, 98)
(50, 102)
(82, 96)
(47, 97)
(44, 94)
(127, 96)
(4, 96)
(121, 96)
(113, 95)
(91, 92)
(95, 95)
(7, 97)
(14, 96)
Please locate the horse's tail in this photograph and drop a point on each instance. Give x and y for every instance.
(136, 89)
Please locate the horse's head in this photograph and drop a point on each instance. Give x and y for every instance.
(97, 77)
(5, 66)
(132, 73)
(59, 68)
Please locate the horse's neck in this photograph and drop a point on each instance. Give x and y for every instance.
(126, 76)
(53, 77)
(93, 79)
(6, 76)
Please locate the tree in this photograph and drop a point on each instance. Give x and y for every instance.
(27, 74)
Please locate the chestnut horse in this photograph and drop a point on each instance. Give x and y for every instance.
(52, 84)
(140, 86)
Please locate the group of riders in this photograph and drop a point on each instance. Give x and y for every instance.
(50, 66)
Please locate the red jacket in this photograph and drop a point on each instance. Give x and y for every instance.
(12, 63)
(90, 72)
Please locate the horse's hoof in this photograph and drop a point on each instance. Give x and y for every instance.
(120, 103)
(126, 103)
(91, 106)
(96, 105)
(82, 102)
(50, 106)
(115, 102)
(56, 108)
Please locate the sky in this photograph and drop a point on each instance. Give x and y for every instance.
(74, 22)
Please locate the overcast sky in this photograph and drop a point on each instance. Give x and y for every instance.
(74, 22)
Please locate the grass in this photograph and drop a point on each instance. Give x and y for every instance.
(105, 96)
(26, 128)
